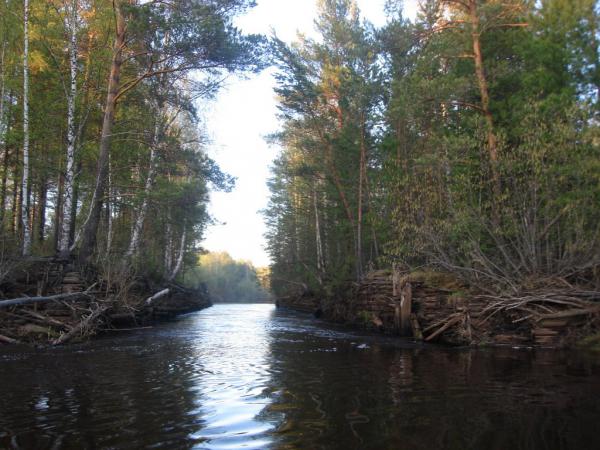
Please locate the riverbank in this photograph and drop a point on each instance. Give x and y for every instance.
(49, 301)
(436, 307)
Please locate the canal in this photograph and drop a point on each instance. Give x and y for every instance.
(253, 377)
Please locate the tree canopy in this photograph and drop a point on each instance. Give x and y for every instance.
(465, 140)
(102, 148)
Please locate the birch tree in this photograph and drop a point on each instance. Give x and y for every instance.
(136, 233)
(26, 244)
(66, 224)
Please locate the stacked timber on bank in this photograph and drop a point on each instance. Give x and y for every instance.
(52, 301)
(435, 307)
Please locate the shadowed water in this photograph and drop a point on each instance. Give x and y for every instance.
(248, 376)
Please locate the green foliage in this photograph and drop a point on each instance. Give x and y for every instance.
(434, 191)
(156, 115)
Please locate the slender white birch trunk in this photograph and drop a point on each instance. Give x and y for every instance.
(66, 219)
(2, 93)
(168, 247)
(26, 249)
(179, 262)
(109, 213)
(136, 233)
(3, 124)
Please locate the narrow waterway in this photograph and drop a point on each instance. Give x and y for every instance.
(250, 376)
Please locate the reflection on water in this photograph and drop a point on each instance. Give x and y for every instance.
(247, 376)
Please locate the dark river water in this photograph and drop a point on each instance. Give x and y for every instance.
(252, 377)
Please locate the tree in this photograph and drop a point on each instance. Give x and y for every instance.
(447, 142)
(228, 280)
(66, 220)
(189, 44)
(25, 183)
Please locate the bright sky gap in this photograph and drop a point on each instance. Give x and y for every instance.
(242, 115)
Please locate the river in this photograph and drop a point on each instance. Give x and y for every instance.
(253, 377)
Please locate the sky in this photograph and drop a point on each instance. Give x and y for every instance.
(238, 120)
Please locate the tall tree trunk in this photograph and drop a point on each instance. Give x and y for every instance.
(3, 122)
(179, 262)
(139, 222)
(59, 208)
(318, 242)
(326, 249)
(16, 187)
(6, 157)
(109, 211)
(74, 203)
(361, 182)
(91, 226)
(5, 164)
(26, 245)
(492, 140)
(41, 209)
(168, 246)
(66, 219)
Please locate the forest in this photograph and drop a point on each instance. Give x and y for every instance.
(432, 220)
(229, 280)
(102, 147)
(465, 141)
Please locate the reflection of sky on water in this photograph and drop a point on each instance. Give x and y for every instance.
(235, 375)
(246, 376)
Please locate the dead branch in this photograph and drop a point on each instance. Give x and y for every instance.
(454, 320)
(81, 327)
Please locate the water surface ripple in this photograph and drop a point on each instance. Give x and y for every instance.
(251, 377)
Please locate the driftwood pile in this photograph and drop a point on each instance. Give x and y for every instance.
(444, 309)
(425, 307)
(552, 318)
(435, 307)
(50, 301)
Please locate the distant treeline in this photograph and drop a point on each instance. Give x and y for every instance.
(229, 280)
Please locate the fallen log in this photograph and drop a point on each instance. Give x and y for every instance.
(571, 313)
(44, 299)
(45, 319)
(8, 340)
(448, 324)
(156, 296)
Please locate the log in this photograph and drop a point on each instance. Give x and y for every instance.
(438, 323)
(571, 313)
(45, 319)
(448, 324)
(30, 300)
(158, 295)
(8, 340)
